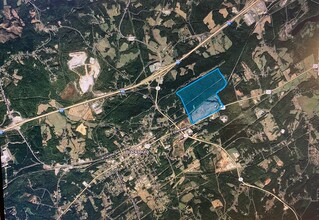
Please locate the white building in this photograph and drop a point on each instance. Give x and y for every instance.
(6, 156)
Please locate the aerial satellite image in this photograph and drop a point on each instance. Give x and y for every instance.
(159, 109)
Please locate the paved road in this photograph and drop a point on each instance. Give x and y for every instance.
(160, 73)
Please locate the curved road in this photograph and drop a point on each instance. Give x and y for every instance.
(160, 73)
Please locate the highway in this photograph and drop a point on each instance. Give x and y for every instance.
(160, 73)
(274, 91)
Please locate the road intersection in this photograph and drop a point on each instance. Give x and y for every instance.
(160, 73)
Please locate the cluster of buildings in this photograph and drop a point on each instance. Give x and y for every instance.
(253, 14)
(6, 157)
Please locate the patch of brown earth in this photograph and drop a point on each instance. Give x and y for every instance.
(70, 92)
(12, 26)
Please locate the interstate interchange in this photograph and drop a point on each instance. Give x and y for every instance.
(147, 81)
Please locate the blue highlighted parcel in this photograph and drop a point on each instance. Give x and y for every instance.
(200, 97)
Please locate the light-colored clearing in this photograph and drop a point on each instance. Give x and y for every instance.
(224, 12)
(81, 129)
(260, 26)
(217, 203)
(80, 112)
(125, 58)
(86, 82)
(161, 40)
(179, 11)
(270, 127)
(309, 105)
(147, 198)
(77, 59)
(58, 122)
(209, 21)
